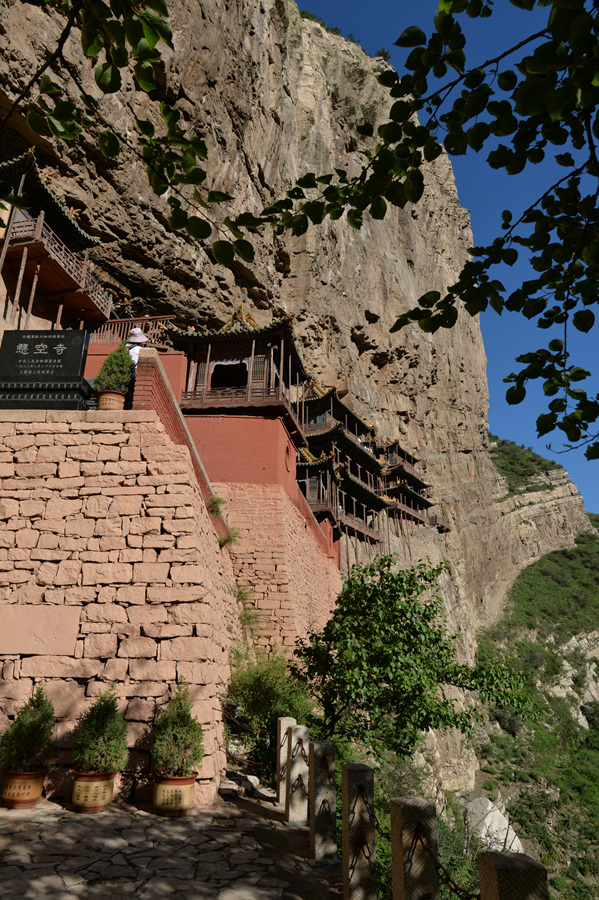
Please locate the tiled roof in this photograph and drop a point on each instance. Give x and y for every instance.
(38, 196)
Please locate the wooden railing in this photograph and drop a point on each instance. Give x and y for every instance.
(25, 228)
(359, 524)
(118, 329)
(420, 514)
(394, 459)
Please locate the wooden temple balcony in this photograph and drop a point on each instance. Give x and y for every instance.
(411, 512)
(394, 459)
(117, 330)
(252, 397)
(358, 526)
(63, 275)
(441, 524)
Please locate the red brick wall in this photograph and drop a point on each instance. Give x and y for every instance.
(293, 582)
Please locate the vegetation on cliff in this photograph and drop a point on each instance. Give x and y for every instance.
(523, 469)
(547, 770)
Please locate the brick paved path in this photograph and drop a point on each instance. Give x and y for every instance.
(239, 850)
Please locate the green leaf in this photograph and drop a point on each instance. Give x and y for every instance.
(515, 394)
(91, 39)
(159, 6)
(366, 130)
(583, 320)
(145, 127)
(144, 73)
(354, 218)
(224, 252)
(108, 78)
(198, 228)
(378, 208)
(411, 37)
(65, 111)
(36, 122)
(244, 249)
(307, 181)
(218, 197)
(177, 219)
(194, 175)
(109, 144)
(47, 86)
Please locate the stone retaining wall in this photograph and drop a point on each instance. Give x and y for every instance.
(292, 582)
(110, 570)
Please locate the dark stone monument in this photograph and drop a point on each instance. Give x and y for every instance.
(43, 370)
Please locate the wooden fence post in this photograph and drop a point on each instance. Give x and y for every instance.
(282, 725)
(323, 800)
(296, 793)
(359, 879)
(511, 876)
(414, 849)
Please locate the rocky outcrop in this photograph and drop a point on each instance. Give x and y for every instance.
(276, 95)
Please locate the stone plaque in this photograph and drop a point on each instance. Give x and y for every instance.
(43, 355)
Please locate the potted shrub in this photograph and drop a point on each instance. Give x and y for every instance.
(26, 748)
(178, 748)
(114, 378)
(100, 752)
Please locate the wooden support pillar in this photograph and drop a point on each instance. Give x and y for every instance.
(283, 724)
(39, 225)
(191, 375)
(296, 794)
(15, 303)
(414, 843)
(206, 374)
(504, 876)
(359, 880)
(58, 317)
(251, 370)
(10, 224)
(323, 794)
(31, 296)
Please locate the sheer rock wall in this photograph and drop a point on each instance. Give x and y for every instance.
(275, 96)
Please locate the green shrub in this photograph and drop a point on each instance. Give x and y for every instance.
(519, 465)
(28, 743)
(116, 372)
(178, 737)
(261, 690)
(101, 745)
(215, 507)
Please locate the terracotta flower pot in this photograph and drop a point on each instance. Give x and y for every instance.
(20, 789)
(111, 400)
(92, 791)
(173, 794)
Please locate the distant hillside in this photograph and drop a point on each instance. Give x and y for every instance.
(522, 468)
(546, 772)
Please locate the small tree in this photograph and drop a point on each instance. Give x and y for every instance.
(116, 372)
(378, 666)
(178, 736)
(101, 745)
(28, 743)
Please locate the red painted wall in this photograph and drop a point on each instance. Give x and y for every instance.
(174, 363)
(247, 449)
(255, 450)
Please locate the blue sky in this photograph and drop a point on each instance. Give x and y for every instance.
(485, 193)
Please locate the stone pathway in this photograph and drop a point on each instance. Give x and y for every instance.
(238, 850)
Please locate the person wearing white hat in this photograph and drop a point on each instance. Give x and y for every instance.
(135, 342)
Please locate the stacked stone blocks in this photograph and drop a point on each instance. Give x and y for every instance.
(110, 570)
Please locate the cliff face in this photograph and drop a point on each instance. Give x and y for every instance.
(275, 96)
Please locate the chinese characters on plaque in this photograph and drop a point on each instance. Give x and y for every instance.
(43, 370)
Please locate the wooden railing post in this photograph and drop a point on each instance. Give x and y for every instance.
(511, 876)
(283, 724)
(359, 879)
(414, 849)
(323, 800)
(296, 793)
